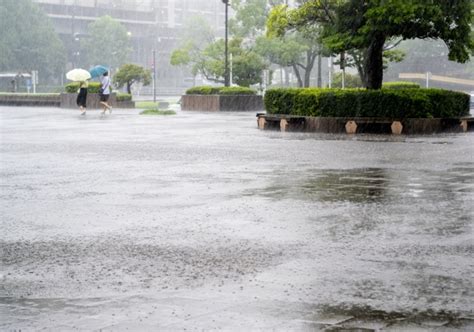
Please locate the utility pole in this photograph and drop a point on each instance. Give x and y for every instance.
(73, 34)
(226, 68)
(343, 67)
(154, 75)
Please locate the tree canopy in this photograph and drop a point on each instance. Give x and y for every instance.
(28, 40)
(107, 43)
(129, 74)
(203, 53)
(367, 26)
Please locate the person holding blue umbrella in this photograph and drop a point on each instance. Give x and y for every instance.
(98, 71)
(105, 92)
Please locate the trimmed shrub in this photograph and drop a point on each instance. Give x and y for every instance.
(400, 85)
(281, 101)
(212, 90)
(203, 90)
(236, 90)
(385, 103)
(124, 97)
(74, 87)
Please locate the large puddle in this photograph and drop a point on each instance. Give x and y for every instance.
(203, 221)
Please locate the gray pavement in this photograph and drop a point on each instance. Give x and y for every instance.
(200, 221)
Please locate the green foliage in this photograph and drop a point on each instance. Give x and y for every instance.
(299, 47)
(107, 44)
(400, 85)
(250, 17)
(366, 26)
(350, 81)
(247, 65)
(129, 74)
(196, 37)
(281, 101)
(281, 51)
(146, 104)
(203, 90)
(212, 90)
(236, 90)
(389, 103)
(124, 97)
(157, 112)
(28, 40)
(73, 87)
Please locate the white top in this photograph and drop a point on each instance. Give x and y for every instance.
(105, 84)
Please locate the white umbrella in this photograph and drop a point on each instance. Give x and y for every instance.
(78, 75)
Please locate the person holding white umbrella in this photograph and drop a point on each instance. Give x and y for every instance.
(82, 97)
(81, 76)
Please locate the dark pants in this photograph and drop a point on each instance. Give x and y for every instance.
(82, 97)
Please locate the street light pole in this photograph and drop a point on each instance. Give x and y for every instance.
(226, 69)
(154, 75)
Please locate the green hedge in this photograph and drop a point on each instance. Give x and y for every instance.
(400, 85)
(74, 86)
(213, 90)
(407, 103)
(124, 97)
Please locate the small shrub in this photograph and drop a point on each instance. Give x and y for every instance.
(74, 87)
(400, 85)
(146, 104)
(212, 90)
(203, 90)
(124, 97)
(237, 90)
(157, 112)
(397, 103)
(281, 101)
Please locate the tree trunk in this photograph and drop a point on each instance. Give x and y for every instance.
(310, 58)
(320, 74)
(374, 63)
(298, 76)
(287, 77)
(129, 88)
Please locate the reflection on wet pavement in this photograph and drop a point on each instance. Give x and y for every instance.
(202, 221)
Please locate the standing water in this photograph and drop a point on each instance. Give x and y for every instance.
(203, 221)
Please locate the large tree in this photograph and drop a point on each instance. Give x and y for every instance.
(28, 40)
(298, 50)
(197, 35)
(107, 43)
(247, 65)
(129, 74)
(367, 26)
(203, 53)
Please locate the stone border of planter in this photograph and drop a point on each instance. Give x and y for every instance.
(29, 100)
(337, 125)
(63, 100)
(222, 103)
(68, 100)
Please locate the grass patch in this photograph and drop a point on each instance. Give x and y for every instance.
(157, 112)
(146, 104)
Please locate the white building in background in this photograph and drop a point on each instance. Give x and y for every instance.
(152, 24)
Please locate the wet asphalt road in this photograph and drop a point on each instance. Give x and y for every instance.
(202, 221)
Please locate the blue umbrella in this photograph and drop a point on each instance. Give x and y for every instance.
(98, 71)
